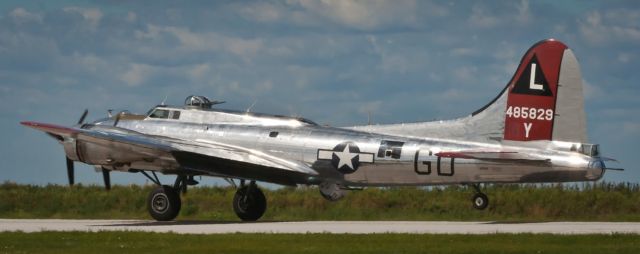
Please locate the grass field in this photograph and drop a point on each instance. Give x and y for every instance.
(137, 242)
(600, 202)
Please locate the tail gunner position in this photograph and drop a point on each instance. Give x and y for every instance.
(533, 131)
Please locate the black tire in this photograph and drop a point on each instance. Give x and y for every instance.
(480, 201)
(163, 203)
(249, 206)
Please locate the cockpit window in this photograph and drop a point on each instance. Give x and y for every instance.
(175, 115)
(160, 113)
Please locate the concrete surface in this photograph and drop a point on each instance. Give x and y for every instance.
(351, 227)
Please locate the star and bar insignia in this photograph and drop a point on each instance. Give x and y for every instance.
(345, 157)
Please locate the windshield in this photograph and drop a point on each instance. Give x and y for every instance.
(159, 113)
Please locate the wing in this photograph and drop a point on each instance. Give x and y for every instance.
(199, 155)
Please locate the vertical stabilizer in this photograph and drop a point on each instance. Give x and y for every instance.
(545, 98)
(532, 94)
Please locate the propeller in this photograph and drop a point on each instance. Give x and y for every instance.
(70, 165)
(115, 122)
(70, 171)
(84, 115)
(106, 176)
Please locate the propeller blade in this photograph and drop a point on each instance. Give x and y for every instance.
(70, 171)
(117, 119)
(84, 114)
(107, 178)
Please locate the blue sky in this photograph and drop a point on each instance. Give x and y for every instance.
(330, 61)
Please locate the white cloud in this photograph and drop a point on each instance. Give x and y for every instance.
(261, 11)
(464, 52)
(617, 113)
(243, 47)
(131, 17)
(174, 14)
(490, 17)
(479, 18)
(523, 16)
(304, 76)
(236, 88)
(616, 120)
(20, 15)
(92, 15)
(624, 57)
(137, 74)
(359, 14)
(90, 62)
(198, 72)
(391, 61)
(466, 73)
(205, 41)
(623, 16)
(590, 91)
(598, 30)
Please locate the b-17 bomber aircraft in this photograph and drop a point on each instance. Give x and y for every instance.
(534, 131)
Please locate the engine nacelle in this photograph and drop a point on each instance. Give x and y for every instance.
(331, 191)
(93, 154)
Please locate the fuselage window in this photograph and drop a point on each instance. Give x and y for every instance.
(160, 113)
(273, 134)
(175, 115)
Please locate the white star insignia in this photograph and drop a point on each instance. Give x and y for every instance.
(345, 157)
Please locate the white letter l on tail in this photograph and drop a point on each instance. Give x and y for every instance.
(532, 79)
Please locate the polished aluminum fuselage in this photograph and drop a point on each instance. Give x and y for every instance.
(384, 160)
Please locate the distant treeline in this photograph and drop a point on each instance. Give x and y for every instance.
(582, 202)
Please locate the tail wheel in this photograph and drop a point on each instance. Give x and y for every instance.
(249, 203)
(164, 203)
(480, 201)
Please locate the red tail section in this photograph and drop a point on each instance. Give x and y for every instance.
(532, 93)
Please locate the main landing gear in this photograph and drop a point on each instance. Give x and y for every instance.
(163, 203)
(249, 202)
(480, 200)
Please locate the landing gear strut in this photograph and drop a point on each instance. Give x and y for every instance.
(249, 202)
(480, 200)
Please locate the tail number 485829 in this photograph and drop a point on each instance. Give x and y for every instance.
(530, 113)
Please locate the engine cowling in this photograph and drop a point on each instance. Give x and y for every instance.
(97, 154)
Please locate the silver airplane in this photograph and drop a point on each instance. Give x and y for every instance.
(534, 131)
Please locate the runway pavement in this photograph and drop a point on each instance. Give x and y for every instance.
(350, 227)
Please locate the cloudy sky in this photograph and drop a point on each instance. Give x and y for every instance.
(330, 61)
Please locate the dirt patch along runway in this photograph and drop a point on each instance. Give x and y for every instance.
(349, 227)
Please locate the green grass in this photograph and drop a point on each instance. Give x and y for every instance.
(138, 242)
(600, 202)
